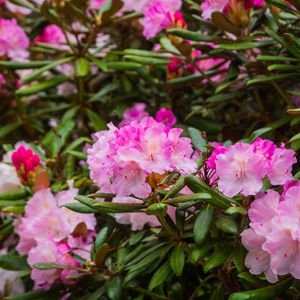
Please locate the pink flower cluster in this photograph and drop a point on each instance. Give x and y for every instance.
(210, 6)
(121, 159)
(241, 167)
(26, 162)
(13, 40)
(52, 34)
(137, 113)
(47, 235)
(273, 237)
(161, 15)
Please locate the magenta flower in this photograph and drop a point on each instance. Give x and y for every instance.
(26, 162)
(13, 40)
(52, 34)
(240, 170)
(159, 16)
(135, 113)
(166, 116)
(219, 148)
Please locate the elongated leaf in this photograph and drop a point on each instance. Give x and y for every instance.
(40, 71)
(16, 65)
(39, 87)
(198, 141)
(5, 130)
(13, 262)
(15, 194)
(160, 276)
(266, 293)
(202, 224)
(227, 224)
(177, 259)
(217, 258)
(97, 122)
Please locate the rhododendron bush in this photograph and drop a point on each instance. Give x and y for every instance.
(149, 149)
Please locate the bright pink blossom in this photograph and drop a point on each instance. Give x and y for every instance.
(52, 34)
(219, 148)
(13, 40)
(159, 15)
(135, 113)
(26, 162)
(121, 159)
(240, 170)
(166, 116)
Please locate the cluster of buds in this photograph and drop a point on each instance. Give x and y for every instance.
(27, 164)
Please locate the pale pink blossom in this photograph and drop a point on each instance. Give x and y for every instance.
(210, 6)
(262, 210)
(240, 170)
(166, 116)
(13, 40)
(281, 166)
(121, 159)
(46, 235)
(257, 259)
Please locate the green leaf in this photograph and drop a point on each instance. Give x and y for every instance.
(176, 188)
(238, 257)
(217, 258)
(123, 65)
(97, 122)
(218, 199)
(15, 194)
(39, 87)
(266, 293)
(187, 198)
(78, 207)
(40, 71)
(110, 207)
(16, 65)
(196, 36)
(177, 259)
(114, 288)
(202, 224)
(222, 97)
(5, 130)
(160, 276)
(264, 79)
(82, 67)
(236, 210)
(44, 266)
(100, 239)
(198, 141)
(227, 224)
(168, 46)
(218, 293)
(13, 262)
(78, 154)
(245, 45)
(197, 253)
